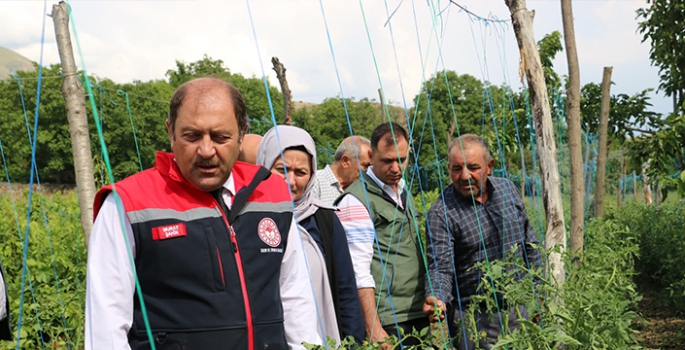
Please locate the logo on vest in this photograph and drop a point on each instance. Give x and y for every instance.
(169, 231)
(268, 232)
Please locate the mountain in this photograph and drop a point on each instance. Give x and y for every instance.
(11, 61)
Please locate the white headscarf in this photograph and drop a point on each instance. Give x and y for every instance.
(270, 149)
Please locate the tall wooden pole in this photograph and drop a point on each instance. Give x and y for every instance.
(602, 147)
(522, 20)
(622, 182)
(287, 94)
(574, 131)
(75, 99)
(634, 186)
(646, 186)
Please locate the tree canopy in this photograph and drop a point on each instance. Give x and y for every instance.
(663, 25)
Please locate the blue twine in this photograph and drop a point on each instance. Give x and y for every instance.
(30, 196)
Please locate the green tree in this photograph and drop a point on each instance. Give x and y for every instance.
(628, 115)
(253, 91)
(447, 106)
(327, 123)
(133, 128)
(663, 24)
(53, 147)
(548, 47)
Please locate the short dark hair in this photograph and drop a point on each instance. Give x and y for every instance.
(390, 129)
(237, 99)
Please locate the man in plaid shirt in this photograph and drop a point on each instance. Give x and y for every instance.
(477, 219)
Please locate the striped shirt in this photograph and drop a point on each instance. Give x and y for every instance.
(360, 230)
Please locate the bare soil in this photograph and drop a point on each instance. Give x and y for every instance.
(663, 326)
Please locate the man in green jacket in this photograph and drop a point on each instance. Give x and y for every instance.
(379, 217)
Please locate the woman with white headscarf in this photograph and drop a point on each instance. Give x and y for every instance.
(291, 153)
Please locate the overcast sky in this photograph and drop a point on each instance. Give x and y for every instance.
(140, 40)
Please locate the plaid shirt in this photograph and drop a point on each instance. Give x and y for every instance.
(326, 186)
(454, 227)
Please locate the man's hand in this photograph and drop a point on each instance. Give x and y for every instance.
(434, 308)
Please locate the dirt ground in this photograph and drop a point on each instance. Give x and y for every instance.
(663, 326)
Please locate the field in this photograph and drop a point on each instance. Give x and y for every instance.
(628, 292)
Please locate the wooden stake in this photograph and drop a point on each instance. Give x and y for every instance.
(522, 20)
(634, 186)
(75, 98)
(602, 146)
(574, 133)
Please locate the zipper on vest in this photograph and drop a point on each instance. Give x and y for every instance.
(243, 286)
(221, 266)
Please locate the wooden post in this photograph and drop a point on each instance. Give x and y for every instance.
(602, 146)
(522, 20)
(622, 182)
(574, 132)
(523, 174)
(634, 186)
(619, 194)
(75, 99)
(287, 94)
(645, 184)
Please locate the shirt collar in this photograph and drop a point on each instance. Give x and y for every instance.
(230, 185)
(386, 188)
(330, 177)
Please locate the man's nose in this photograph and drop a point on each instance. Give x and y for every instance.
(464, 175)
(206, 148)
(395, 167)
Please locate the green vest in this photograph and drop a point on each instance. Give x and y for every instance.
(396, 233)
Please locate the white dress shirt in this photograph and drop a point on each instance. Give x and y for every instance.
(110, 283)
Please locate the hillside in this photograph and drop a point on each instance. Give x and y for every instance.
(11, 61)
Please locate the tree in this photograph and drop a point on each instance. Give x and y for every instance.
(447, 106)
(256, 100)
(664, 26)
(549, 46)
(328, 126)
(628, 114)
(574, 132)
(132, 119)
(53, 147)
(522, 21)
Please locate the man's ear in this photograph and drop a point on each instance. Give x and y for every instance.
(491, 166)
(345, 161)
(171, 134)
(370, 156)
(242, 135)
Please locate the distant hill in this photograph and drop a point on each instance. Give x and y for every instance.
(12, 61)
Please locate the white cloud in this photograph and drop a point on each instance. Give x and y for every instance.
(127, 40)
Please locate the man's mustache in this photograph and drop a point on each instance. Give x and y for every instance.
(206, 162)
